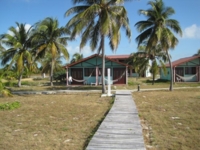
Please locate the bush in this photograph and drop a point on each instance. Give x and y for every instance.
(3, 90)
(28, 83)
(10, 84)
(158, 81)
(9, 106)
(59, 76)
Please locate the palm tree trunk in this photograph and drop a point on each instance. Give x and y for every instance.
(153, 71)
(19, 80)
(153, 78)
(51, 73)
(171, 72)
(103, 65)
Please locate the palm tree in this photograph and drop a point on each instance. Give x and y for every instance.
(46, 63)
(141, 59)
(1, 48)
(95, 20)
(139, 62)
(158, 28)
(50, 39)
(76, 57)
(158, 58)
(19, 48)
(198, 53)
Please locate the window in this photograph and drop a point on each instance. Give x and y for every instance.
(190, 70)
(88, 71)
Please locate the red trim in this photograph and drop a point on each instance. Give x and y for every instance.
(182, 60)
(92, 56)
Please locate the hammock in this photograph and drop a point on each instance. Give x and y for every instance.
(186, 78)
(113, 81)
(84, 79)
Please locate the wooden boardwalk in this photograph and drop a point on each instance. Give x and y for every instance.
(121, 129)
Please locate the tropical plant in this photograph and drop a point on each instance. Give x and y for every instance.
(3, 90)
(95, 20)
(141, 60)
(50, 39)
(76, 57)
(46, 63)
(159, 29)
(1, 48)
(18, 41)
(198, 53)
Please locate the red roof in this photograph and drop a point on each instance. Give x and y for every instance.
(183, 60)
(92, 56)
(118, 56)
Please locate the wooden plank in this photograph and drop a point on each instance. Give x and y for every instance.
(121, 129)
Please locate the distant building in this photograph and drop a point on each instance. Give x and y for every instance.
(184, 70)
(89, 71)
(131, 71)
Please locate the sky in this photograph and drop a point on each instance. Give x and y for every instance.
(31, 11)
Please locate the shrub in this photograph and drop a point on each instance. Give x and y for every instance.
(3, 90)
(61, 75)
(9, 106)
(10, 84)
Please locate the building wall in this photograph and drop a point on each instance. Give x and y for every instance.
(185, 77)
(165, 76)
(93, 63)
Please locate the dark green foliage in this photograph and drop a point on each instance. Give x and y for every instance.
(10, 106)
(10, 83)
(158, 81)
(61, 75)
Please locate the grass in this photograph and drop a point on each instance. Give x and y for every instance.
(42, 85)
(9, 106)
(64, 121)
(170, 120)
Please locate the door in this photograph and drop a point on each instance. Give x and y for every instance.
(119, 75)
(179, 72)
(77, 76)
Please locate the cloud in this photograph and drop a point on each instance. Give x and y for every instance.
(86, 51)
(192, 32)
(27, 26)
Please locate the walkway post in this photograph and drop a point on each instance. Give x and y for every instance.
(67, 76)
(109, 86)
(97, 75)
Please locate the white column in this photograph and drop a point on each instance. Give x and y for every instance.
(126, 75)
(67, 76)
(97, 75)
(109, 85)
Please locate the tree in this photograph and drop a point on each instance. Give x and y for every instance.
(46, 63)
(141, 59)
(76, 57)
(95, 20)
(139, 62)
(51, 40)
(158, 58)
(18, 41)
(198, 53)
(159, 29)
(1, 48)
